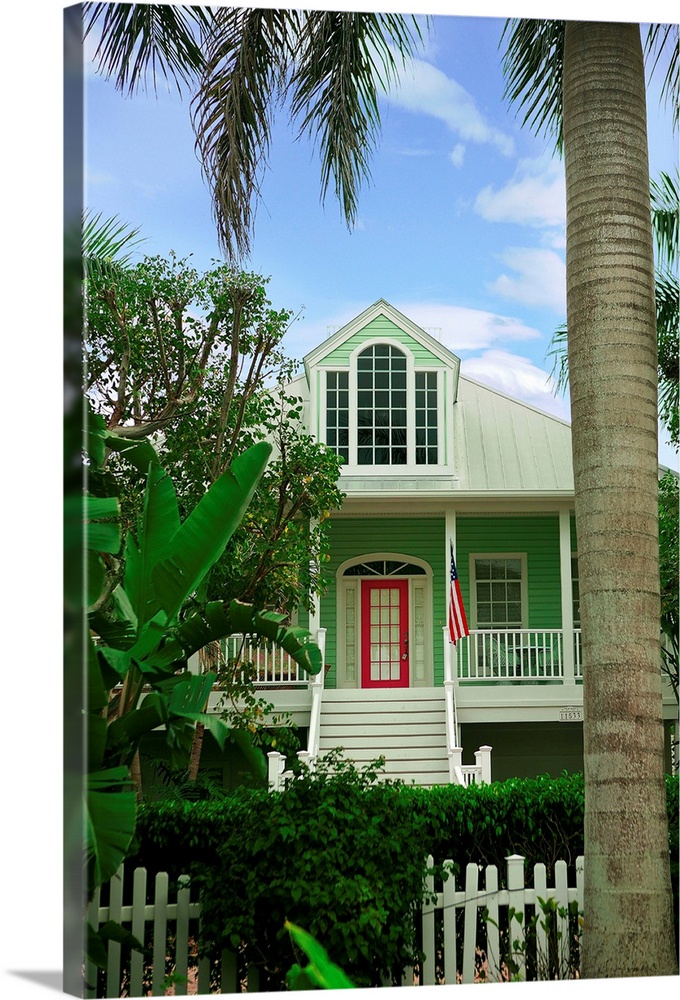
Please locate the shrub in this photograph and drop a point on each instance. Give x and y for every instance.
(343, 856)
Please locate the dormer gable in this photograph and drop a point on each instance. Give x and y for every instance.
(381, 394)
(381, 321)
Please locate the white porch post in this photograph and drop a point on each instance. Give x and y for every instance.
(567, 599)
(483, 760)
(275, 768)
(315, 614)
(455, 756)
(450, 652)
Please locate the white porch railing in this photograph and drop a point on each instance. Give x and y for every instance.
(271, 665)
(470, 774)
(525, 655)
(578, 662)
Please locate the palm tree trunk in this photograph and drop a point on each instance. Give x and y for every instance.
(611, 324)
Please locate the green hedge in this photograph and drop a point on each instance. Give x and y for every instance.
(344, 857)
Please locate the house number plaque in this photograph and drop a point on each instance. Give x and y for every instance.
(573, 713)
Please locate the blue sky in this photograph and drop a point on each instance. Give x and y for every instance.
(461, 226)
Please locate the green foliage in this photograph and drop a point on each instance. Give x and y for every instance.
(144, 643)
(344, 856)
(338, 853)
(244, 710)
(670, 583)
(320, 972)
(550, 955)
(193, 360)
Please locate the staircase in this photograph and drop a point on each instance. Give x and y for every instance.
(407, 726)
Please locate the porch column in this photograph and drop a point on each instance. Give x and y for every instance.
(567, 599)
(315, 613)
(450, 652)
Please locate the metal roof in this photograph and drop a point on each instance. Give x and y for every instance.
(503, 444)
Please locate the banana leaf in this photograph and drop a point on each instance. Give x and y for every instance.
(158, 525)
(110, 812)
(95, 578)
(96, 950)
(297, 642)
(202, 538)
(254, 757)
(321, 972)
(139, 453)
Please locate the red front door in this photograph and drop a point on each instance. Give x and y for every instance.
(384, 633)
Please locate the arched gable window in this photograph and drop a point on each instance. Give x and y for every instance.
(381, 412)
(381, 406)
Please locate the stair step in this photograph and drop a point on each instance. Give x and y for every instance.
(407, 726)
(352, 738)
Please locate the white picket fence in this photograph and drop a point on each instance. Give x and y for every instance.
(460, 941)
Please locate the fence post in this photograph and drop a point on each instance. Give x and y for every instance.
(455, 755)
(515, 869)
(483, 760)
(276, 767)
(114, 948)
(182, 935)
(138, 930)
(160, 932)
(470, 921)
(429, 967)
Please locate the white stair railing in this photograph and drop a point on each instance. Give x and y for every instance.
(316, 685)
(452, 739)
(469, 774)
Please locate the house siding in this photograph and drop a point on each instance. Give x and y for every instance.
(535, 535)
(419, 538)
(377, 329)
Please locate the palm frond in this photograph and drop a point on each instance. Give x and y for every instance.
(668, 323)
(343, 62)
(107, 244)
(557, 350)
(532, 66)
(665, 204)
(139, 42)
(246, 62)
(662, 43)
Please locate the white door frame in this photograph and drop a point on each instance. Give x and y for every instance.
(348, 619)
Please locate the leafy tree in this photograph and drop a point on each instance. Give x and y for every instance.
(665, 220)
(194, 361)
(137, 676)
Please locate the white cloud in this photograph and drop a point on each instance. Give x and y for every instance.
(424, 89)
(457, 328)
(539, 278)
(462, 329)
(519, 377)
(457, 154)
(535, 196)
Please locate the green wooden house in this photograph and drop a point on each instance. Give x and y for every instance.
(437, 464)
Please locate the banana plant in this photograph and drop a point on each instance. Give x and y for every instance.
(143, 647)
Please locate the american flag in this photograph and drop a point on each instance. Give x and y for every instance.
(458, 626)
